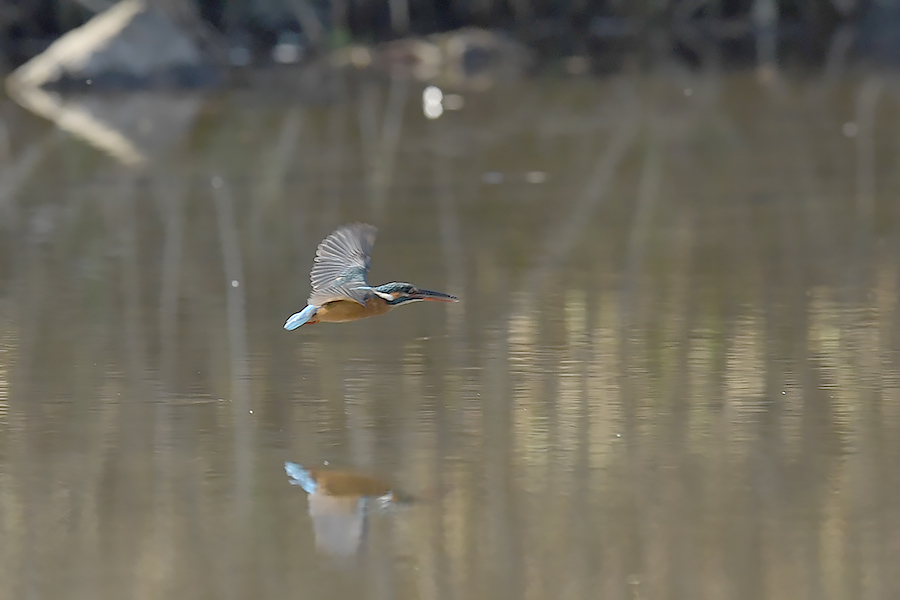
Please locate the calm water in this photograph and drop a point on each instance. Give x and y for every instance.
(674, 372)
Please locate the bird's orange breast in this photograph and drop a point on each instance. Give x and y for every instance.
(341, 311)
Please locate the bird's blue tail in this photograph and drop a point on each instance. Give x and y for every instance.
(300, 476)
(298, 319)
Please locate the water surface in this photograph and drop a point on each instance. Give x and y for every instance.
(674, 372)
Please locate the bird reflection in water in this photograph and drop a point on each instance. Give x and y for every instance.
(339, 504)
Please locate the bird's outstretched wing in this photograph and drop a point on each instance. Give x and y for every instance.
(341, 264)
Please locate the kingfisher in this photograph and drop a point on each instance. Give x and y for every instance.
(340, 292)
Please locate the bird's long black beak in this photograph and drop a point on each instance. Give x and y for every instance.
(433, 296)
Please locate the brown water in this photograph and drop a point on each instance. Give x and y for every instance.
(674, 372)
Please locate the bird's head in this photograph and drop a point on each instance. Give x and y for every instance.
(399, 292)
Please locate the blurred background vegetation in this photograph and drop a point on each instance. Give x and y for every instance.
(808, 32)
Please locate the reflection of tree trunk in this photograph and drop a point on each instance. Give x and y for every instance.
(134, 341)
(22, 514)
(820, 234)
(764, 16)
(549, 397)
(451, 240)
(357, 404)
(683, 543)
(454, 386)
(240, 384)
(502, 516)
(270, 186)
(332, 175)
(171, 200)
(162, 539)
(13, 173)
(380, 151)
(133, 436)
(441, 567)
(399, 10)
(639, 498)
(840, 48)
(583, 568)
(866, 104)
(648, 195)
(862, 362)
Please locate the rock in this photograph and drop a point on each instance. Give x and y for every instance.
(129, 46)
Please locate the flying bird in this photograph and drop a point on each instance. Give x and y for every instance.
(340, 292)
